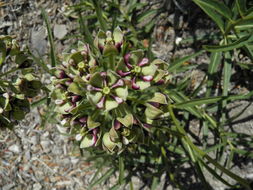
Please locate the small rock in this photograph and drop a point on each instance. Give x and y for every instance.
(37, 186)
(8, 186)
(250, 176)
(27, 156)
(45, 145)
(60, 31)
(46, 134)
(14, 148)
(39, 175)
(74, 160)
(26, 167)
(57, 151)
(34, 140)
(63, 183)
(39, 43)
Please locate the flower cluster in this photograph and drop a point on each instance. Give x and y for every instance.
(107, 93)
(16, 85)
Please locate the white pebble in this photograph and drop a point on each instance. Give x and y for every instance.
(14, 148)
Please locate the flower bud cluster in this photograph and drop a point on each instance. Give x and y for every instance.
(106, 93)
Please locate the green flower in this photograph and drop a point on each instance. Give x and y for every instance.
(109, 43)
(79, 63)
(136, 69)
(156, 106)
(89, 133)
(106, 90)
(162, 75)
(125, 131)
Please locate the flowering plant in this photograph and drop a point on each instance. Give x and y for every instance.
(109, 93)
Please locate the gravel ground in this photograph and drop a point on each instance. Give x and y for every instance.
(35, 158)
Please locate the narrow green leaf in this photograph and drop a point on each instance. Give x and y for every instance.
(176, 64)
(241, 6)
(155, 183)
(198, 102)
(212, 14)
(39, 102)
(229, 173)
(244, 152)
(40, 62)
(50, 38)
(99, 169)
(121, 170)
(84, 29)
(199, 169)
(104, 177)
(99, 13)
(201, 154)
(199, 87)
(131, 185)
(237, 44)
(48, 115)
(146, 15)
(179, 98)
(218, 6)
(249, 12)
(227, 72)
(245, 24)
(212, 69)
(213, 172)
(217, 165)
(215, 147)
(115, 187)
(230, 158)
(249, 51)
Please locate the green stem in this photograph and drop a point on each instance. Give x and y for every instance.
(112, 63)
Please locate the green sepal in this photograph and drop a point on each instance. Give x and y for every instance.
(149, 70)
(136, 56)
(100, 38)
(75, 88)
(58, 94)
(96, 80)
(110, 49)
(118, 35)
(112, 77)
(152, 112)
(159, 98)
(108, 143)
(113, 135)
(94, 97)
(121, 65)
(121, 92)
(142, 84)
(88, 141)
(110, 104)
(62, 108)
(127, 121)
(92, 124)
